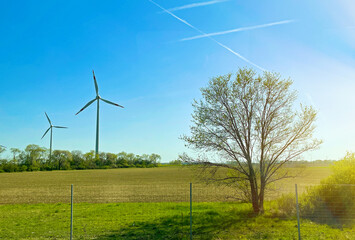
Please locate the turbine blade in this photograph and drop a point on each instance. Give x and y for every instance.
(88, 104)
(48, 118)
(107, 101)
(96, 86)
(59, 127)
(45, 132)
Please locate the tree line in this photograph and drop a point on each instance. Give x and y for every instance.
(36, 158)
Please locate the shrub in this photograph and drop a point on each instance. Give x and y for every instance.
(333, 201)
(23, 168)
(286, 205)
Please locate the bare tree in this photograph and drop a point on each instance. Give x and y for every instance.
(248, 125)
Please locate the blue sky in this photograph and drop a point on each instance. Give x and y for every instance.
(49, 48)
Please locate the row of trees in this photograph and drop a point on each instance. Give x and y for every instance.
(36, 158)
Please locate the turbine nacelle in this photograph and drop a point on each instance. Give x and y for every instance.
(50, 126)
(98, 97)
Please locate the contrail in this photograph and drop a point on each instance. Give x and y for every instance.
(193, 5)
(239, 30)
(203, 33)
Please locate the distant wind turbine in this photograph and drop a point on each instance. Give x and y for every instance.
(50, 128)
(97, 98)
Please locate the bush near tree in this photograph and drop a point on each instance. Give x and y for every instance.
(333, 201)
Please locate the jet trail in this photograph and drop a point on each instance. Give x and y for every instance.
(239, 30)
(203, 33)
(193, 5)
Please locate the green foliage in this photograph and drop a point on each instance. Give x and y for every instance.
(286, 205)
(61, 160)
(333, 202)
(177, 162)
(35, 158)
(78, 161)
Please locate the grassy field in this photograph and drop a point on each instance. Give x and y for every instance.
(154, 221)
(165, 184)
(142, 204)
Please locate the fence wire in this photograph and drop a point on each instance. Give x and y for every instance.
(162, 211)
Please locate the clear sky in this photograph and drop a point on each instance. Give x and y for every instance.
(144, 60)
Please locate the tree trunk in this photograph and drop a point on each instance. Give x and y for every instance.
(254, 196)
(261, 197)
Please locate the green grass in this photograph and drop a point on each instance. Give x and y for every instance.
(154, 221)
(143, 204)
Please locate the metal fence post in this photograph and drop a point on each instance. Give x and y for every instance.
(298, 214)
(71, 214)
(190, 211)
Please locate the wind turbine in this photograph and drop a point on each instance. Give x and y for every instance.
(50, 128)
(97, 98)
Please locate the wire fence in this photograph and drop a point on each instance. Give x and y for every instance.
(165, 211)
